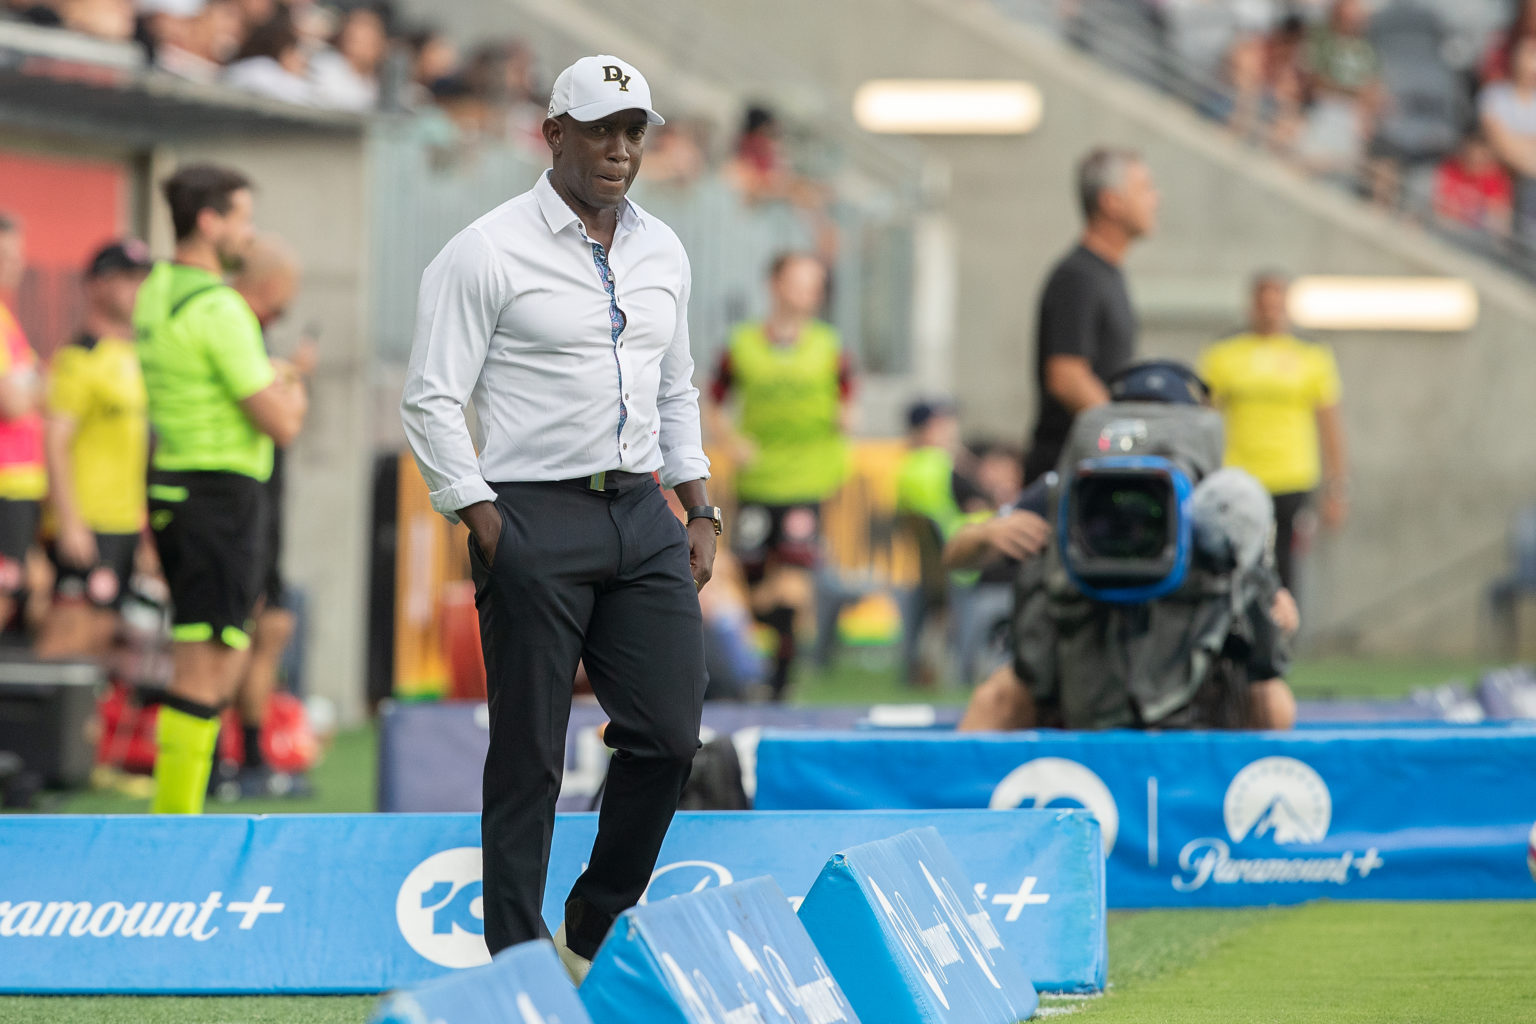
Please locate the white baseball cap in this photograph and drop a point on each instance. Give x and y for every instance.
(595, 87)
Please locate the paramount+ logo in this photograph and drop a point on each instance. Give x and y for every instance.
(1281, 802)
(440, 907)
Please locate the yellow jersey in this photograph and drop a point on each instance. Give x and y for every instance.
(1269, 390)
(98, 384)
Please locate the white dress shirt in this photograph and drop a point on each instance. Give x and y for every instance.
(513, 315)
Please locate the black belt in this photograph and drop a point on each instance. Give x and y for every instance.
(608, 480)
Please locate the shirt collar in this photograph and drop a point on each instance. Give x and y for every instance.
(560, 216)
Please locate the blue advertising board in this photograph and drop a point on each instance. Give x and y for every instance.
(240, 904)
(1218, 819)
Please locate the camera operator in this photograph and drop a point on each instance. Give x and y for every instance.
(1154, 602)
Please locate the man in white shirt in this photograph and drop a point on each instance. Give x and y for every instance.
(563, 315)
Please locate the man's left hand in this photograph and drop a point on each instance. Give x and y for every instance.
(701, 551)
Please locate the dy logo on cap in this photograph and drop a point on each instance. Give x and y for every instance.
(614, 73)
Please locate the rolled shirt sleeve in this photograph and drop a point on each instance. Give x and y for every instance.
(461, 300)
(677, 402)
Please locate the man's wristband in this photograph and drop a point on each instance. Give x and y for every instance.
(710, 512)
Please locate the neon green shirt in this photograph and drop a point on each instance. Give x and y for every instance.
(924, 487)
(202, 353)
(791, 404)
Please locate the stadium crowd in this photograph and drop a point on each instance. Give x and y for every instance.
(1427, 108)
(364, 57)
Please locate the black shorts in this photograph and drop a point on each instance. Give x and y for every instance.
(210, 530)
(18, 529)
(786, 534)
(103, 583)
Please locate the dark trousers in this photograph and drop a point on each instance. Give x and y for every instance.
(1287, 508)
(600, 576)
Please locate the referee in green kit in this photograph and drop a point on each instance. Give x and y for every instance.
(216, 405)
(563, 316)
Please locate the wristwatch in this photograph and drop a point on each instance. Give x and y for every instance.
(710, 512)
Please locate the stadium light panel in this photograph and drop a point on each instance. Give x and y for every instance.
(915, 106)
(1383, 304)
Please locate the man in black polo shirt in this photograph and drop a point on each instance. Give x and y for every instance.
(1087, 329)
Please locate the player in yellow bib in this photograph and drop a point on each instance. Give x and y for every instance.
(1279, 396)
(791, 383)
(97, 444)
(217, 404)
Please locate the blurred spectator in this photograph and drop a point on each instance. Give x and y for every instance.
(502, 75)
(272, 63)
(933, 499)
(758, 166)
(193, 39)
(345, 76)
(1496, 61)
(1279, 396)
(998, 472)
(1343, 77)
(1472, 190)
(1507, 111)
(792, 383)
(433, 58)
(761, 171)
(23, 479)
(34, 12)
(674, 154)
(1265, 73)
(462, 106)
(1086, 329)
(97, 448)
(104, 19)
(257, 12)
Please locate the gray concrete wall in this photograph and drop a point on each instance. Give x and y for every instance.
(312, 190)
(1443, 439)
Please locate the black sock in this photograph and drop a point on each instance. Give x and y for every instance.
(252, 734)
(782, 621)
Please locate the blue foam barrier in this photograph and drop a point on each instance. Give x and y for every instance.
(909, 941)
(1218, 819)
(714, 957)
(522, 985)
(1040, 873)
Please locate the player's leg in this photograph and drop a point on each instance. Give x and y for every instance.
(207, 529)
(18, 528)
(273, 632)
(83, 618)
(269, 641)
(67, 628)
(1271, 705)
(534, 599)
(645, 656)
(1287, 508)
(787, 593)
(203, 675)
(999, 702)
